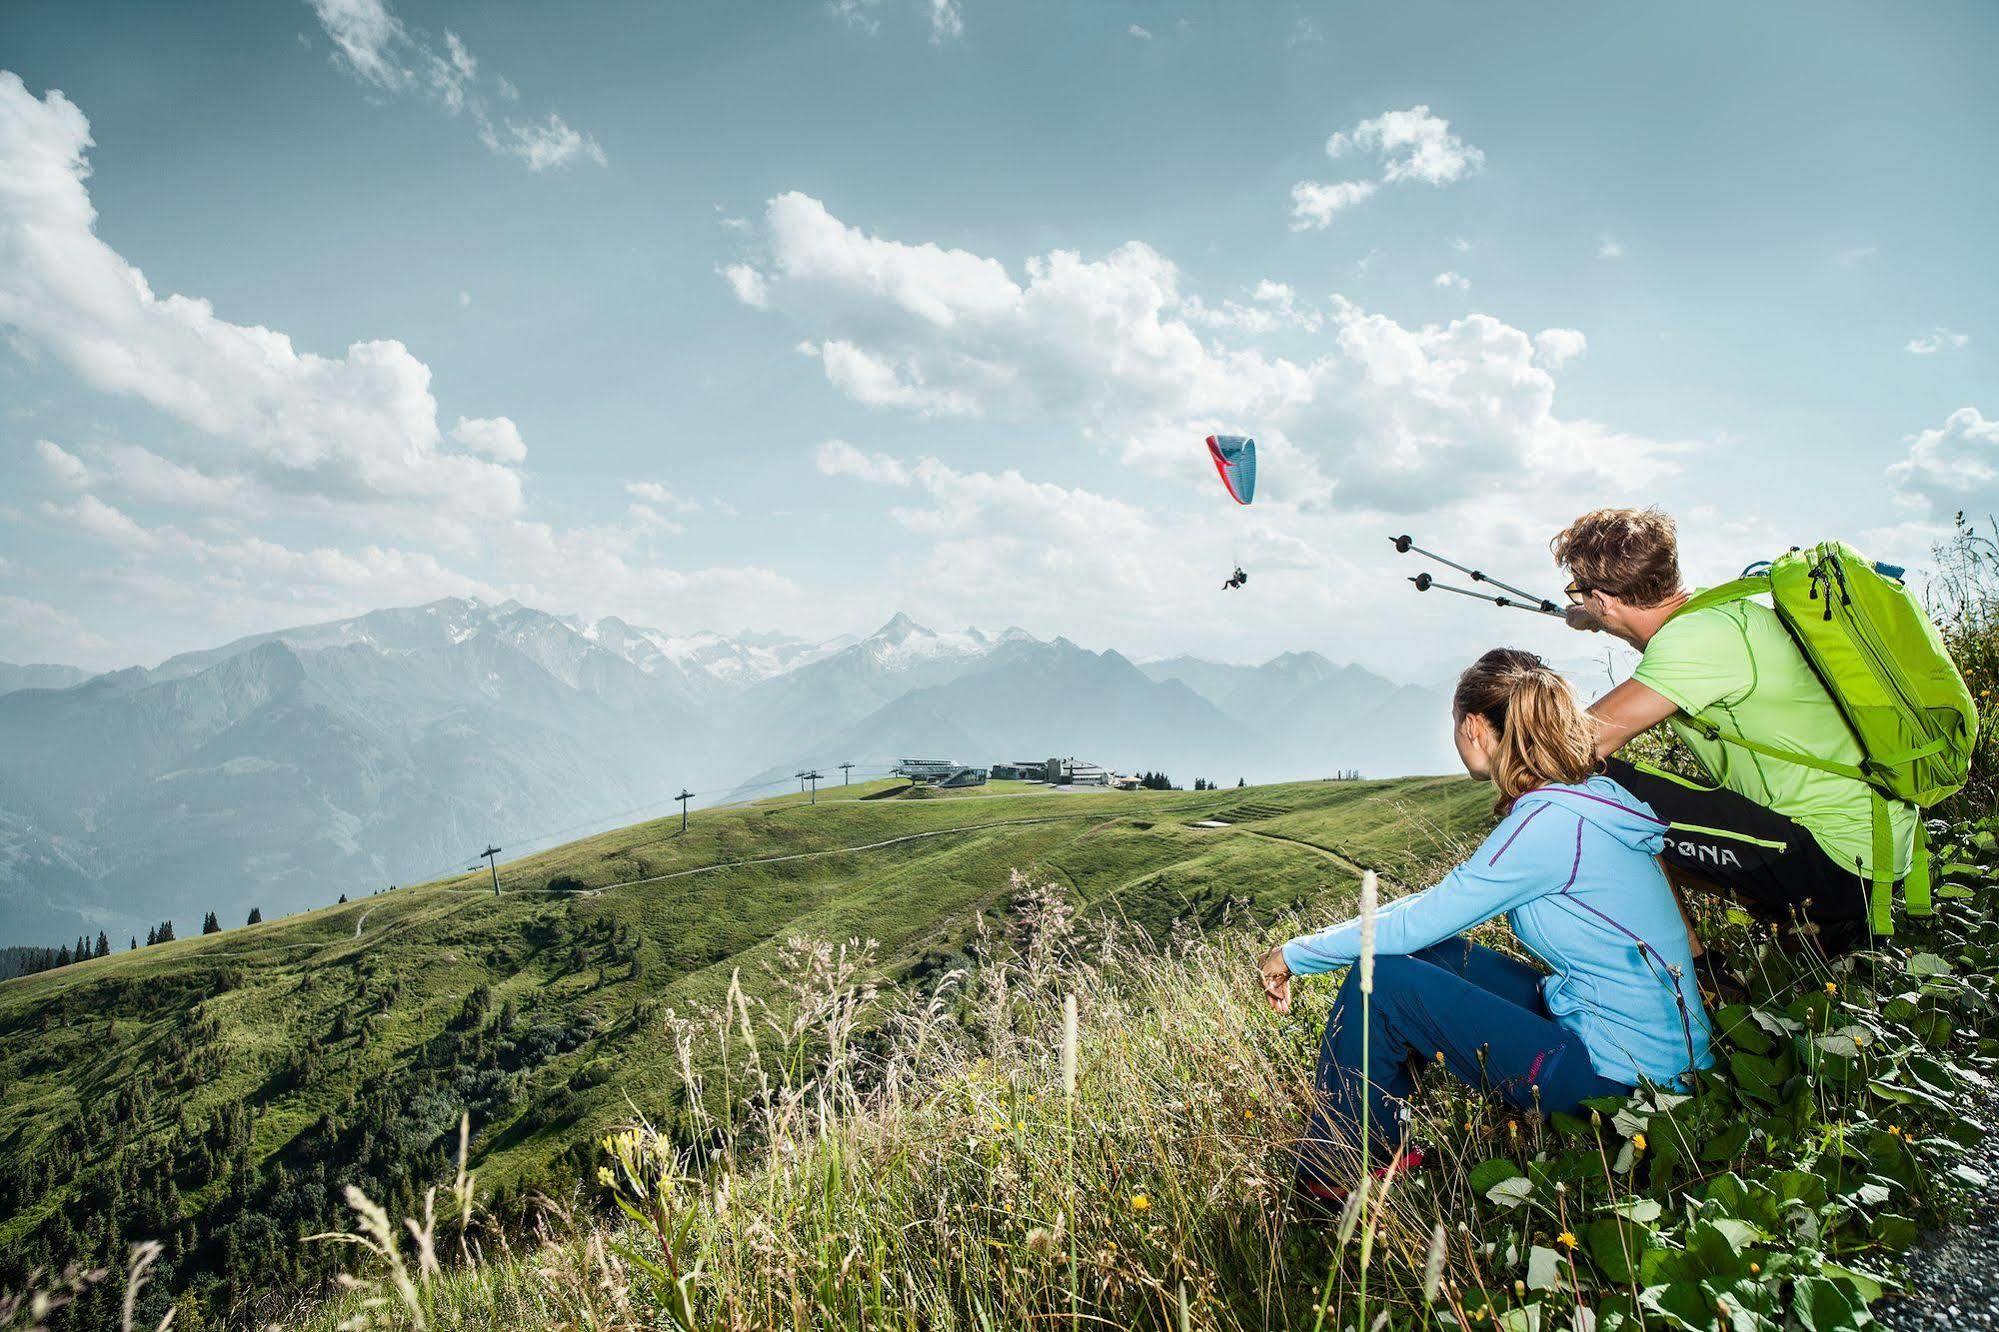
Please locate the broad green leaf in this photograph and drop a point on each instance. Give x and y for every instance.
(1727, 1144)
(1826, 1306)
(1615, 1247)
(1544, 1268)
(1488, 1173)
(1510, 1192)
(1681, 1303)
(1895, 1232)
(1928, 964)
(1642, 1210)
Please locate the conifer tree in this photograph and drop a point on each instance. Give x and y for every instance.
(210, 925)
(103, 945)
(256, 916)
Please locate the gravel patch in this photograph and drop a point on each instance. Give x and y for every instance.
(1953, 1272)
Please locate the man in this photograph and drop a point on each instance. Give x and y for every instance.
(1790, 842)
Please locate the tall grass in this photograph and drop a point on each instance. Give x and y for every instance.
(1085, 1126)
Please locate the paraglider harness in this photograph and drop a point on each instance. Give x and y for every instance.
(1236, 579)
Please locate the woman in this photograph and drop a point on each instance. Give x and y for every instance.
(1571, 866)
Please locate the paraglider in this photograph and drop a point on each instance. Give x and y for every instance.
(1235, 459)
(1235, 462)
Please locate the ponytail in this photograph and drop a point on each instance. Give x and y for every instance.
(1544, 735)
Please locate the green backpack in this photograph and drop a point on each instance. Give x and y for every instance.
(1883, 662)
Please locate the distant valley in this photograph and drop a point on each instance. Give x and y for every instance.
(283, 770)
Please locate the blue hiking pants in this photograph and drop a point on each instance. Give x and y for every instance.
(1454, 997)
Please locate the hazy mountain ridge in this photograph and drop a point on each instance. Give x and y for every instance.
(284, 769)
(39, 675)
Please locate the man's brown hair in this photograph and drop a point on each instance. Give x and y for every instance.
(1633, 554)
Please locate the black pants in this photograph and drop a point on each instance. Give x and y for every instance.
(1794, 879)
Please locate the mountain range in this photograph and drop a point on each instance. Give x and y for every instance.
(285, 769)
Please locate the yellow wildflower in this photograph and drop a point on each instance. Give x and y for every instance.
(1140, 1203)
(1248, 1114)
(1638, 1141)
(1566, 1239)
(1831, 988)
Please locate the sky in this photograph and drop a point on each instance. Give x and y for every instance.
(786, 317)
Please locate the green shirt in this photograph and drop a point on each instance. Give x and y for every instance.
(1737, 668)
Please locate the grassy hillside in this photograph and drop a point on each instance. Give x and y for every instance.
(218, 1092)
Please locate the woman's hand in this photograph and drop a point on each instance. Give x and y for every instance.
(1276, 977)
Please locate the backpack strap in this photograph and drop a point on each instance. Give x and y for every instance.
(1878, 904)
(1916, 887)
(1723, 594)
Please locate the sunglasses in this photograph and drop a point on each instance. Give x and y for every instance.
(1576, 591)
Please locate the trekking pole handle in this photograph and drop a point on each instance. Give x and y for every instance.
(1403, 545)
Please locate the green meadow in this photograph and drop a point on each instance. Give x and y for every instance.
(220, 1092)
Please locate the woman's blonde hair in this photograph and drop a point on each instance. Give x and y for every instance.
(1544, 735)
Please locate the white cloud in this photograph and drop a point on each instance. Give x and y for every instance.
(938, 285)
(1313, 203)
(360, 427)
(1452, 279)
(748, 284)
(1412, 145)
(1110, 347)
(464, 297)
(653, 520)
(857, 13)
(103, 521)
(493, 437)
(652, 492)
(36, 631)
(1936, 340)
(1556, 347)
(377, 49)
(1858, 253)
(1461, 245)
(1609, 248)
(836, 457)
(143, 474)
(368, 39)
(1143, 34)
(1409, 145)
(545, 146)
(947, 21)
(1952, 467)
(66, 467)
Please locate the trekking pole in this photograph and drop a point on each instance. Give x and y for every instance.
(1403, 545)
(1424, 583)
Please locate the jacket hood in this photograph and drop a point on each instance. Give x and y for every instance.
(1610, 807)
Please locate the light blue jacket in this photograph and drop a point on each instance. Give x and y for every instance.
(1572, 868)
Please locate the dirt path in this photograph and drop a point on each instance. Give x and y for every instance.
(1347, 863)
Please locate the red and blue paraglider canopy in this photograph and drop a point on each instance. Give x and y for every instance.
(1235, 459)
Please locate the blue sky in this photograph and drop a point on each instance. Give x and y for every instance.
(789, 316)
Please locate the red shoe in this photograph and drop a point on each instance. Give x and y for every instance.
(1329, 1196)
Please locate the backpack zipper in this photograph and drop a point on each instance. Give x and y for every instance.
(1860, 633)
